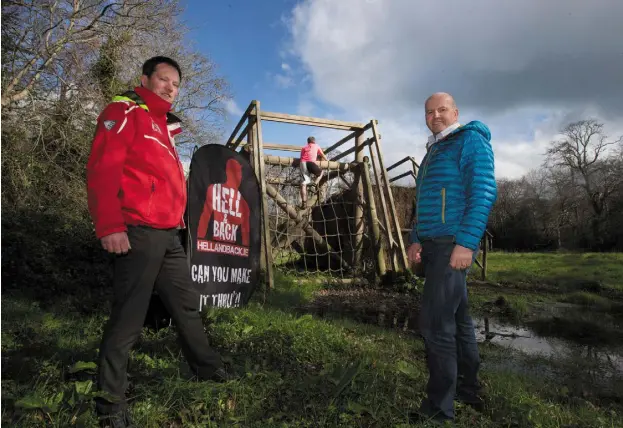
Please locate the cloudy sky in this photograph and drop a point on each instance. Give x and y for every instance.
(525, 68)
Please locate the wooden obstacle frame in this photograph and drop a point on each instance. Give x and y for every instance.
(386, 233)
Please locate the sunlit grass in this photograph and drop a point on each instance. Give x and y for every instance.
(300, 370)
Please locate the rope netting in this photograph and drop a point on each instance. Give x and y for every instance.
(329, 237)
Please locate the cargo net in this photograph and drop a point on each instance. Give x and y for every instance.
(322, 239)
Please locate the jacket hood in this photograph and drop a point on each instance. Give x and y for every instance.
(475, 126)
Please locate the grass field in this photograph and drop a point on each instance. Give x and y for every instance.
(563, 271)
(308, 359)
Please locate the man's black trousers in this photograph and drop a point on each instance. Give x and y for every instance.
(156, 261)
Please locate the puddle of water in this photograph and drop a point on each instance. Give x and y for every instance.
(526, 341)
(380, 309)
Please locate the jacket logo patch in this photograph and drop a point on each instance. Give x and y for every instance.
(155, 127)
(108, 124)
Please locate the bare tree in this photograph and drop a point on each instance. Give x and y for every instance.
(62, 61)
(564, 200)
(41, 31)
(509, 198)
(592, 164)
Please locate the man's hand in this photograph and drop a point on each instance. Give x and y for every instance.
(461, 258)
(117, 243)
(414, 253)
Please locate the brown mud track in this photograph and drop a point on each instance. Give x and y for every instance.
(383, 308)
(388, 309)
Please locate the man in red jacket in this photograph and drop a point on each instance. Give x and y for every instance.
(137, 197)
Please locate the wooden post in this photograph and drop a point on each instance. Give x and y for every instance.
(392, 206)
(357, 203)
(373, 219)
(484, 257)
(386, 225)
(255, 163)
(414, 165)
(259, 159)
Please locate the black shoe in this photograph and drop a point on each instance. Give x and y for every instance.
(221, 375)
(476, 402)
(417, 417)
(117, 420)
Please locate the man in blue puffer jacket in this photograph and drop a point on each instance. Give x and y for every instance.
(456, 190)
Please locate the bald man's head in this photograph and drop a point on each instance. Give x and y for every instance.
(441, 111)
(440, 96)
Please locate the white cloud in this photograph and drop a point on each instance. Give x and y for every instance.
(287, 78)
(524, 68)
(284, 81)
(232, 107)
(305, 107)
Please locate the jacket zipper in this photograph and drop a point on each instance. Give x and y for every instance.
(180, 168)
(443, 205)
(151, 196)
(417, 206)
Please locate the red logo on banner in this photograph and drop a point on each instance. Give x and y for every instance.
(230, 212)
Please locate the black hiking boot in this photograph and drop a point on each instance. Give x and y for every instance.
(221, 376)
(116, 420)
(417, 417)
(476, 402)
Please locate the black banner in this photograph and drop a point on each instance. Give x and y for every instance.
(223, 217)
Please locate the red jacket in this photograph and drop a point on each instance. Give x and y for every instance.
(134, 175)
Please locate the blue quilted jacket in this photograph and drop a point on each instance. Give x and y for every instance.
(456, 187)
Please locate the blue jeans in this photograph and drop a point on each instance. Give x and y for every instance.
(448, 332)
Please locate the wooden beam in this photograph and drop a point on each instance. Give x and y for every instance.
(390, 196)
(295, 222)
(283, 147)
(243, 134)
(385, 225)
(404, 174)
(311, 121)
(330, 165)
(358, 148)
(403, 160)
(347, 138)
(358, 200)
(244, 117)
(263, 184)
(381, 269)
